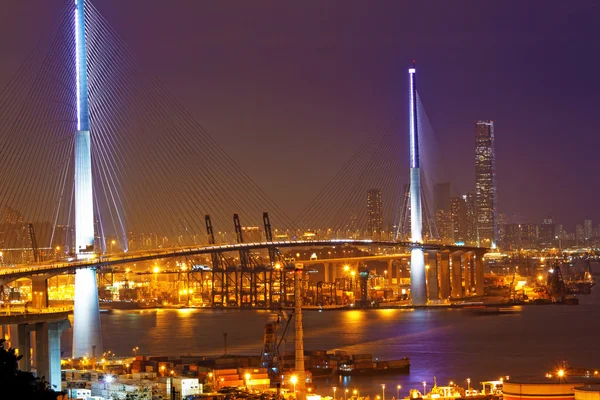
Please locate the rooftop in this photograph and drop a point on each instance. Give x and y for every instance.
(540, 380)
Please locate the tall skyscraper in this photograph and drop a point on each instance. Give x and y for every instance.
(485, 184)
(374, 213)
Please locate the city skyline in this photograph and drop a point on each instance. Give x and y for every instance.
(166, 191)
(531, 151)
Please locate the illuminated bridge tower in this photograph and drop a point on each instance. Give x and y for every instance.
(418, 292)
(87, 336)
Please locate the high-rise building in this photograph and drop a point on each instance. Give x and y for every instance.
(588, 232)
(463, 219)
(530, 234)
(547, 233)
(443, 212)
(471, 204)
(579, 235)
(511, 238)
(403, 232)
(485, 184)
(374, 213)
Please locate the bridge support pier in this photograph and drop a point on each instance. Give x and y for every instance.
(39, 291)
(47, 350)
(432, 275)
(418, 292)
(87, 334)
(390, 273)
(479, 284)
(470, 281)
(457, 275)
(24, 347)
(444, 275)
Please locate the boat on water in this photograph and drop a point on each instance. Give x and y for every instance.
(364, 368)
(491, 390)
(495, 310)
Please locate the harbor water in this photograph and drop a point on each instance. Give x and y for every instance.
(449, 344)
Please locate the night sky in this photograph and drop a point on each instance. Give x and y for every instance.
(291, 89)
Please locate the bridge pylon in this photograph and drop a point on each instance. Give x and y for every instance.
(87, 334)
(418, 283)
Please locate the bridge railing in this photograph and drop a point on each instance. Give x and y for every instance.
(19, 310)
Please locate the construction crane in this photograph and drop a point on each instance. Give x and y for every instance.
(556, 285)
(34, 246)
(270, 355)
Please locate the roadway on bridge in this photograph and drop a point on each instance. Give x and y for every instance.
(104, 261)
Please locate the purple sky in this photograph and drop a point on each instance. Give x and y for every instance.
(299, 85)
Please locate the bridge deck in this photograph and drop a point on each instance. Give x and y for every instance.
(103, 261)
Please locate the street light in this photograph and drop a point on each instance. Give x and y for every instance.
(383, 391)
(424, 388)
(346, 394)
(427, 280)
(355, 393)
(135, 349)
(398, 391)
(107, 381)
(247, 376)
(334, 389)
(468, 383)
(294, 380)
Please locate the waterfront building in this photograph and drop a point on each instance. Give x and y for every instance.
(530, 234)
(547, 233)
(519, 236)
(588, 232)
(511, 236)
(374, 213)
(463, 219)
(485, 184)
(579, 235)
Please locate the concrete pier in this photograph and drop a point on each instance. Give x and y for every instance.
(432, 275)
(39, 290)
(46, 327)
(457, 291)
(444, 271)
(479, 280)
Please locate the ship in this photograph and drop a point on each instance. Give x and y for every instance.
(358, 367)
(489, 310)
(491, 390)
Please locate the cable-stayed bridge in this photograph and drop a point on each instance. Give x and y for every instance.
(97, 154)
